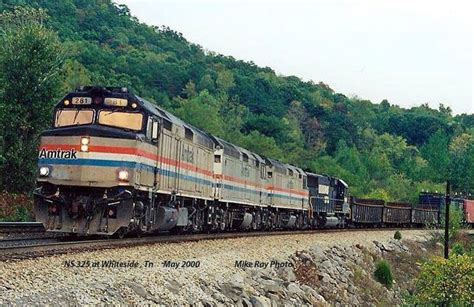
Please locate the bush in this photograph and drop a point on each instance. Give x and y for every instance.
(457, 249)
(20, 214)
(446, 282)
(15, 207)
(397, 235)
(383, 273)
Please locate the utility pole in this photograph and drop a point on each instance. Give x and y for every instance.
(446, 220)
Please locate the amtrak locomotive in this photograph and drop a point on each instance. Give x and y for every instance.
(114, 163)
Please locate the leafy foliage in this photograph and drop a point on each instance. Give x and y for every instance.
(447, 282)
(30, 60)
(383, 273)
(381, 150)
(458, 248)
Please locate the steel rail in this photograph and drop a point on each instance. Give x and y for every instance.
(39, 250)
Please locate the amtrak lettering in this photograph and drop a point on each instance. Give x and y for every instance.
(58, 154)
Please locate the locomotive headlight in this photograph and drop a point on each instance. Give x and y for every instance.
(84, 140)
(123, 175)
(84, 144)
(44, 171)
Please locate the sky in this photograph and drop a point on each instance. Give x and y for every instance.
(408, 52)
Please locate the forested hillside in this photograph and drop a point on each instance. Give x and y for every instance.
(380, 149)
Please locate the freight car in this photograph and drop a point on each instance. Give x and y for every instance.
(425, 216)
(397, 214)
(367, 212)
(114, 163)
(468, 210)
(427, 200)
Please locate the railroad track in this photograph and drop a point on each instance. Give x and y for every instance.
(27, 241)
(16, 227)
(40, 250)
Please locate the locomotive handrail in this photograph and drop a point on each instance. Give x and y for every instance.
(323, 198)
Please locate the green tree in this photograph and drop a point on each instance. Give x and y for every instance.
(263, 145)
(206, 83)
(201, 111)
(30, 62)
(378, 193)
(350, 159)
(190, 89)
(435, 151)
(462, 163)
(75, 75)
(225, 80)
(233, 115)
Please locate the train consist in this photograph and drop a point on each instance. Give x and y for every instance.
(114, 163)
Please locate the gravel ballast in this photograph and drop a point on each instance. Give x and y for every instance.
(154, 274)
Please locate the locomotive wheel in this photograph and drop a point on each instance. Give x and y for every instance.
(299, 222)
(120, 234)
(222, 226)
(268, 224)
(258, 220)
(255, 221)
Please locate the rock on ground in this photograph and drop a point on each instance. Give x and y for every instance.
(303, 269)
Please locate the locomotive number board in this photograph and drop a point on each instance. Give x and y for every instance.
(81, 100)
(117, 102)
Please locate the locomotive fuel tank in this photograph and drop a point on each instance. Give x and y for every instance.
(331, 221)
(169, 218)
(290, 223)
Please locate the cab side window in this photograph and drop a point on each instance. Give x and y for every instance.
(149, 127)
(155, 130)
(152, 129)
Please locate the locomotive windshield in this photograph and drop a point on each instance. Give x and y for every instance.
(76, 117)
(73, 117)
(125, 120)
